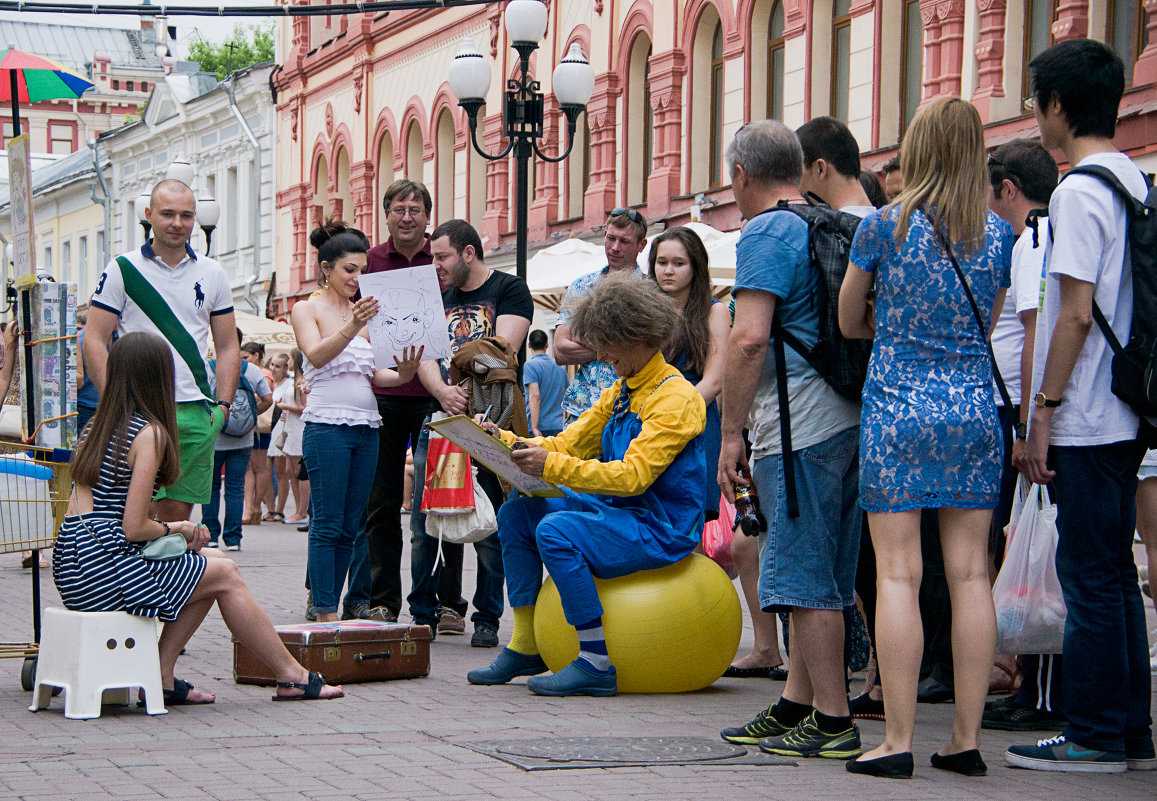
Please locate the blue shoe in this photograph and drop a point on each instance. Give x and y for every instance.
(1057, 753)
(506, 666)
(577, 678)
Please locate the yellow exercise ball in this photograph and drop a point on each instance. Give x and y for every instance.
(670, 630)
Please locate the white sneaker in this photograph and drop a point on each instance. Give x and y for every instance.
(233, 547)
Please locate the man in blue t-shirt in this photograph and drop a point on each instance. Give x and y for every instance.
(809, 564)
(544, 382)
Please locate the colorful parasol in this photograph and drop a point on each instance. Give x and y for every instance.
(34, 78)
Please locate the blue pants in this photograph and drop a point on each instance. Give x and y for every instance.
(1106, 651)
(236, 462)
(577, 538)
(341, 462)
(432, 587)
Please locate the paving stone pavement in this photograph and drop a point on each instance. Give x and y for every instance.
(396, 740)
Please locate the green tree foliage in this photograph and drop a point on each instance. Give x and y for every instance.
(248, 45)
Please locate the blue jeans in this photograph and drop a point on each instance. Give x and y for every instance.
(236, 462)
(424, 596)
(810, 561)
(360, 578)
(1106, 676)
(341, 462)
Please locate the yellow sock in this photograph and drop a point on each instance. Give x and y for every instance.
(522, 640)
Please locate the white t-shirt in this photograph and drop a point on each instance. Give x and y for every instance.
(1023, 295)
(1090, 243)
(195, 290)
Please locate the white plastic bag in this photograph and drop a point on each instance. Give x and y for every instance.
(1030, 611)
(464, 526)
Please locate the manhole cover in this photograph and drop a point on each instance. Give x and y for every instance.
(649, 750)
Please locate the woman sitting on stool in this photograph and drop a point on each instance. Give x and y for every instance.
(634, 467)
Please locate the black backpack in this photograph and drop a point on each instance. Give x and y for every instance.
(1135, 365)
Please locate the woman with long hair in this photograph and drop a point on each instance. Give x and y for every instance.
(128, 451)
(930, 438)
(340, 443)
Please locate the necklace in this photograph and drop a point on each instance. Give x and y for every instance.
(343, 307)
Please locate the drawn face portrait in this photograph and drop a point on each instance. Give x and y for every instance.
(405, 318)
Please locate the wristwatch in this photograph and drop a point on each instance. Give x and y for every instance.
(229, 404)
(1022, 430)
(1044, 401)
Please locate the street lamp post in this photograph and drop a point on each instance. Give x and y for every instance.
(573, 83)
(208, 214)
(139, 206)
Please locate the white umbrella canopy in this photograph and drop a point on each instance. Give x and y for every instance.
(550, 271)
(277, 337)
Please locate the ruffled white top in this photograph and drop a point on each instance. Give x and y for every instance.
(339, 392)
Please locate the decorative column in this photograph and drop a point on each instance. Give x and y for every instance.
(931, 23)
(950, 13)
(297, 199)
(544, 204)
(496, 221)
(602, 190)
(1072, 20)
(989, 55)
(1145, 70)
(665, 181)
(362, 192)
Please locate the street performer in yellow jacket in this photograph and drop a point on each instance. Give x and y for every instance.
(632, 469)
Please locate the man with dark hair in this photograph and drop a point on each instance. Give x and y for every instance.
(625, 238)
(808, 566)
(893, 180)
(831, 166)
(1082, 438)
(544, 382)
(479, 302)
(1023, 176)
(407, 205)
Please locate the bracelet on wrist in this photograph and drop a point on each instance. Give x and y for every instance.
(347, 336)
(165, 525)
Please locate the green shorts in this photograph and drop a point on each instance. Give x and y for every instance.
(198, 424)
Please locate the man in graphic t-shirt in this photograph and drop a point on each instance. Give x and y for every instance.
(479, 303)
(1082, 439)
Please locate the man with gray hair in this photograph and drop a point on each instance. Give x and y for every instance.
(808, 565)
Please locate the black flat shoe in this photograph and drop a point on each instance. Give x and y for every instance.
(966, 763)
(776, 673)
(893, 766)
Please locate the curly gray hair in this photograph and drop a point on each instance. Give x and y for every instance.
(621, 309)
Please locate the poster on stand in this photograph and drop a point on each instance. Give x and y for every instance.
(20, 187)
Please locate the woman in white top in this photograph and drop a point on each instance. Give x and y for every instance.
(340, 444)
(285, 449)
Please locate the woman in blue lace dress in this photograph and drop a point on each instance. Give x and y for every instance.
(929, 437)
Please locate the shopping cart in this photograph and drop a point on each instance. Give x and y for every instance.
(34, 491)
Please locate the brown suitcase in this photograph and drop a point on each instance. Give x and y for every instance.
(347, 651)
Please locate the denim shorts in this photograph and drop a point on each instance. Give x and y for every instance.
(810, 561)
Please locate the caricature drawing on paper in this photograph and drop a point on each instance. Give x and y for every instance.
(410, 313)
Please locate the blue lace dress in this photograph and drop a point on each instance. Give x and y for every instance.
(929, 436)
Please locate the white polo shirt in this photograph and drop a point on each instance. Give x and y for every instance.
(195, 291)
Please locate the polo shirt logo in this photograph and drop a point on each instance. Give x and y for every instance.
(200, 300)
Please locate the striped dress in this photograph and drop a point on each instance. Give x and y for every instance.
(97, 570)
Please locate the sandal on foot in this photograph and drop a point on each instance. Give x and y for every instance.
(274, 517)
(310, 689)
(179, 695)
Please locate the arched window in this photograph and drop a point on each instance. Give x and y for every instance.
(775, 67)
(342, 187)
(578, 170)
(414, 152)
(637, 108)
(444, 158)
(841, 58)
(385, 177)
(717, 106)
(476, 196)
(912, 72)
(1128, 32)
(320, 208)
(1038, 35)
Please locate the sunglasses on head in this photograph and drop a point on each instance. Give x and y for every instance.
(631, 214)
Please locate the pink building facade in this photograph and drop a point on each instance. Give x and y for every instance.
(363, 100)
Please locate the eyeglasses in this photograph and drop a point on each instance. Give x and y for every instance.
(631, 214)
(1029, 104)
(413, 213)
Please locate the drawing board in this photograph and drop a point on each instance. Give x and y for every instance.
(410, 314)
(493, 453)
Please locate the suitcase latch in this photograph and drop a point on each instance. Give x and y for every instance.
(331, 654)
(409, 648)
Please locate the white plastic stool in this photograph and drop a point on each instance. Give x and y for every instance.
(89, 653)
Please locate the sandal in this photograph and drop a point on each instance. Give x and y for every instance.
(179, 695)
(1004, 679)
(310, 689)
(274, 517)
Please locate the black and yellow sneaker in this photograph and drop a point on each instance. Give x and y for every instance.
(808, 740)
(764, 725)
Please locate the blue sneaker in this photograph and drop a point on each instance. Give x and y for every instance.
(577, 678)
(1057, 753)
(506, 666)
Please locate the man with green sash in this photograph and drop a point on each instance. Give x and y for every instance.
(165, 288)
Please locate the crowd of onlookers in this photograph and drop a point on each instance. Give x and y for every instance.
(886, 473)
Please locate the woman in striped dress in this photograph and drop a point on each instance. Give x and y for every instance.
(127, 452)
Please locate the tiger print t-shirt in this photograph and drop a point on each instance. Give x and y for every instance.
(474, 314)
